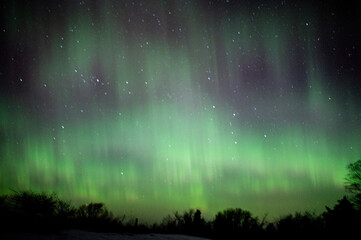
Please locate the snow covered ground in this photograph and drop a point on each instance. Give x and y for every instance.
(80, 235)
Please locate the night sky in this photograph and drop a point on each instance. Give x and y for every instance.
(158, 106)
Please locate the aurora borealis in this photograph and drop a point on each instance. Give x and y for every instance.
(158, 106)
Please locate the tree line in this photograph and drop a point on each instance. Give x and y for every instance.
(46, 213)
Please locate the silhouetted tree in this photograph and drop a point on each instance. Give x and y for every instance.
(353, 182)
(92, 211)
(41, 212)
(95, 216)
(190, 222)
(193, 222)
(169, 224)
(187, 220)
(270, 228)
(46, 212)
(65, 213)
(6, 216)
(26, 210)
(343, 218)
(198, 221)
(300, 224)
(235, 222)
(36, 212)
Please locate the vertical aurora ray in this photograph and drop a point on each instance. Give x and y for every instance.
(156, 107)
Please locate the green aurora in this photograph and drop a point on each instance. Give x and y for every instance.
(156, 107)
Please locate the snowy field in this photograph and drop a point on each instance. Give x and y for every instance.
(80, 235)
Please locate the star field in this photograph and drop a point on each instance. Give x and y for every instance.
(158, 106)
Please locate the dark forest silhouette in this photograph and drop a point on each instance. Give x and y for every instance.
(45, 213)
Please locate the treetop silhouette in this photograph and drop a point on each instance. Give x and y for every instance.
(353, 182)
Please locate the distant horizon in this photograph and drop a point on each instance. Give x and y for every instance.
(153, 107)
(156, 215)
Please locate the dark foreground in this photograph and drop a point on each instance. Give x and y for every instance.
(29, 215)
(79, 234)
